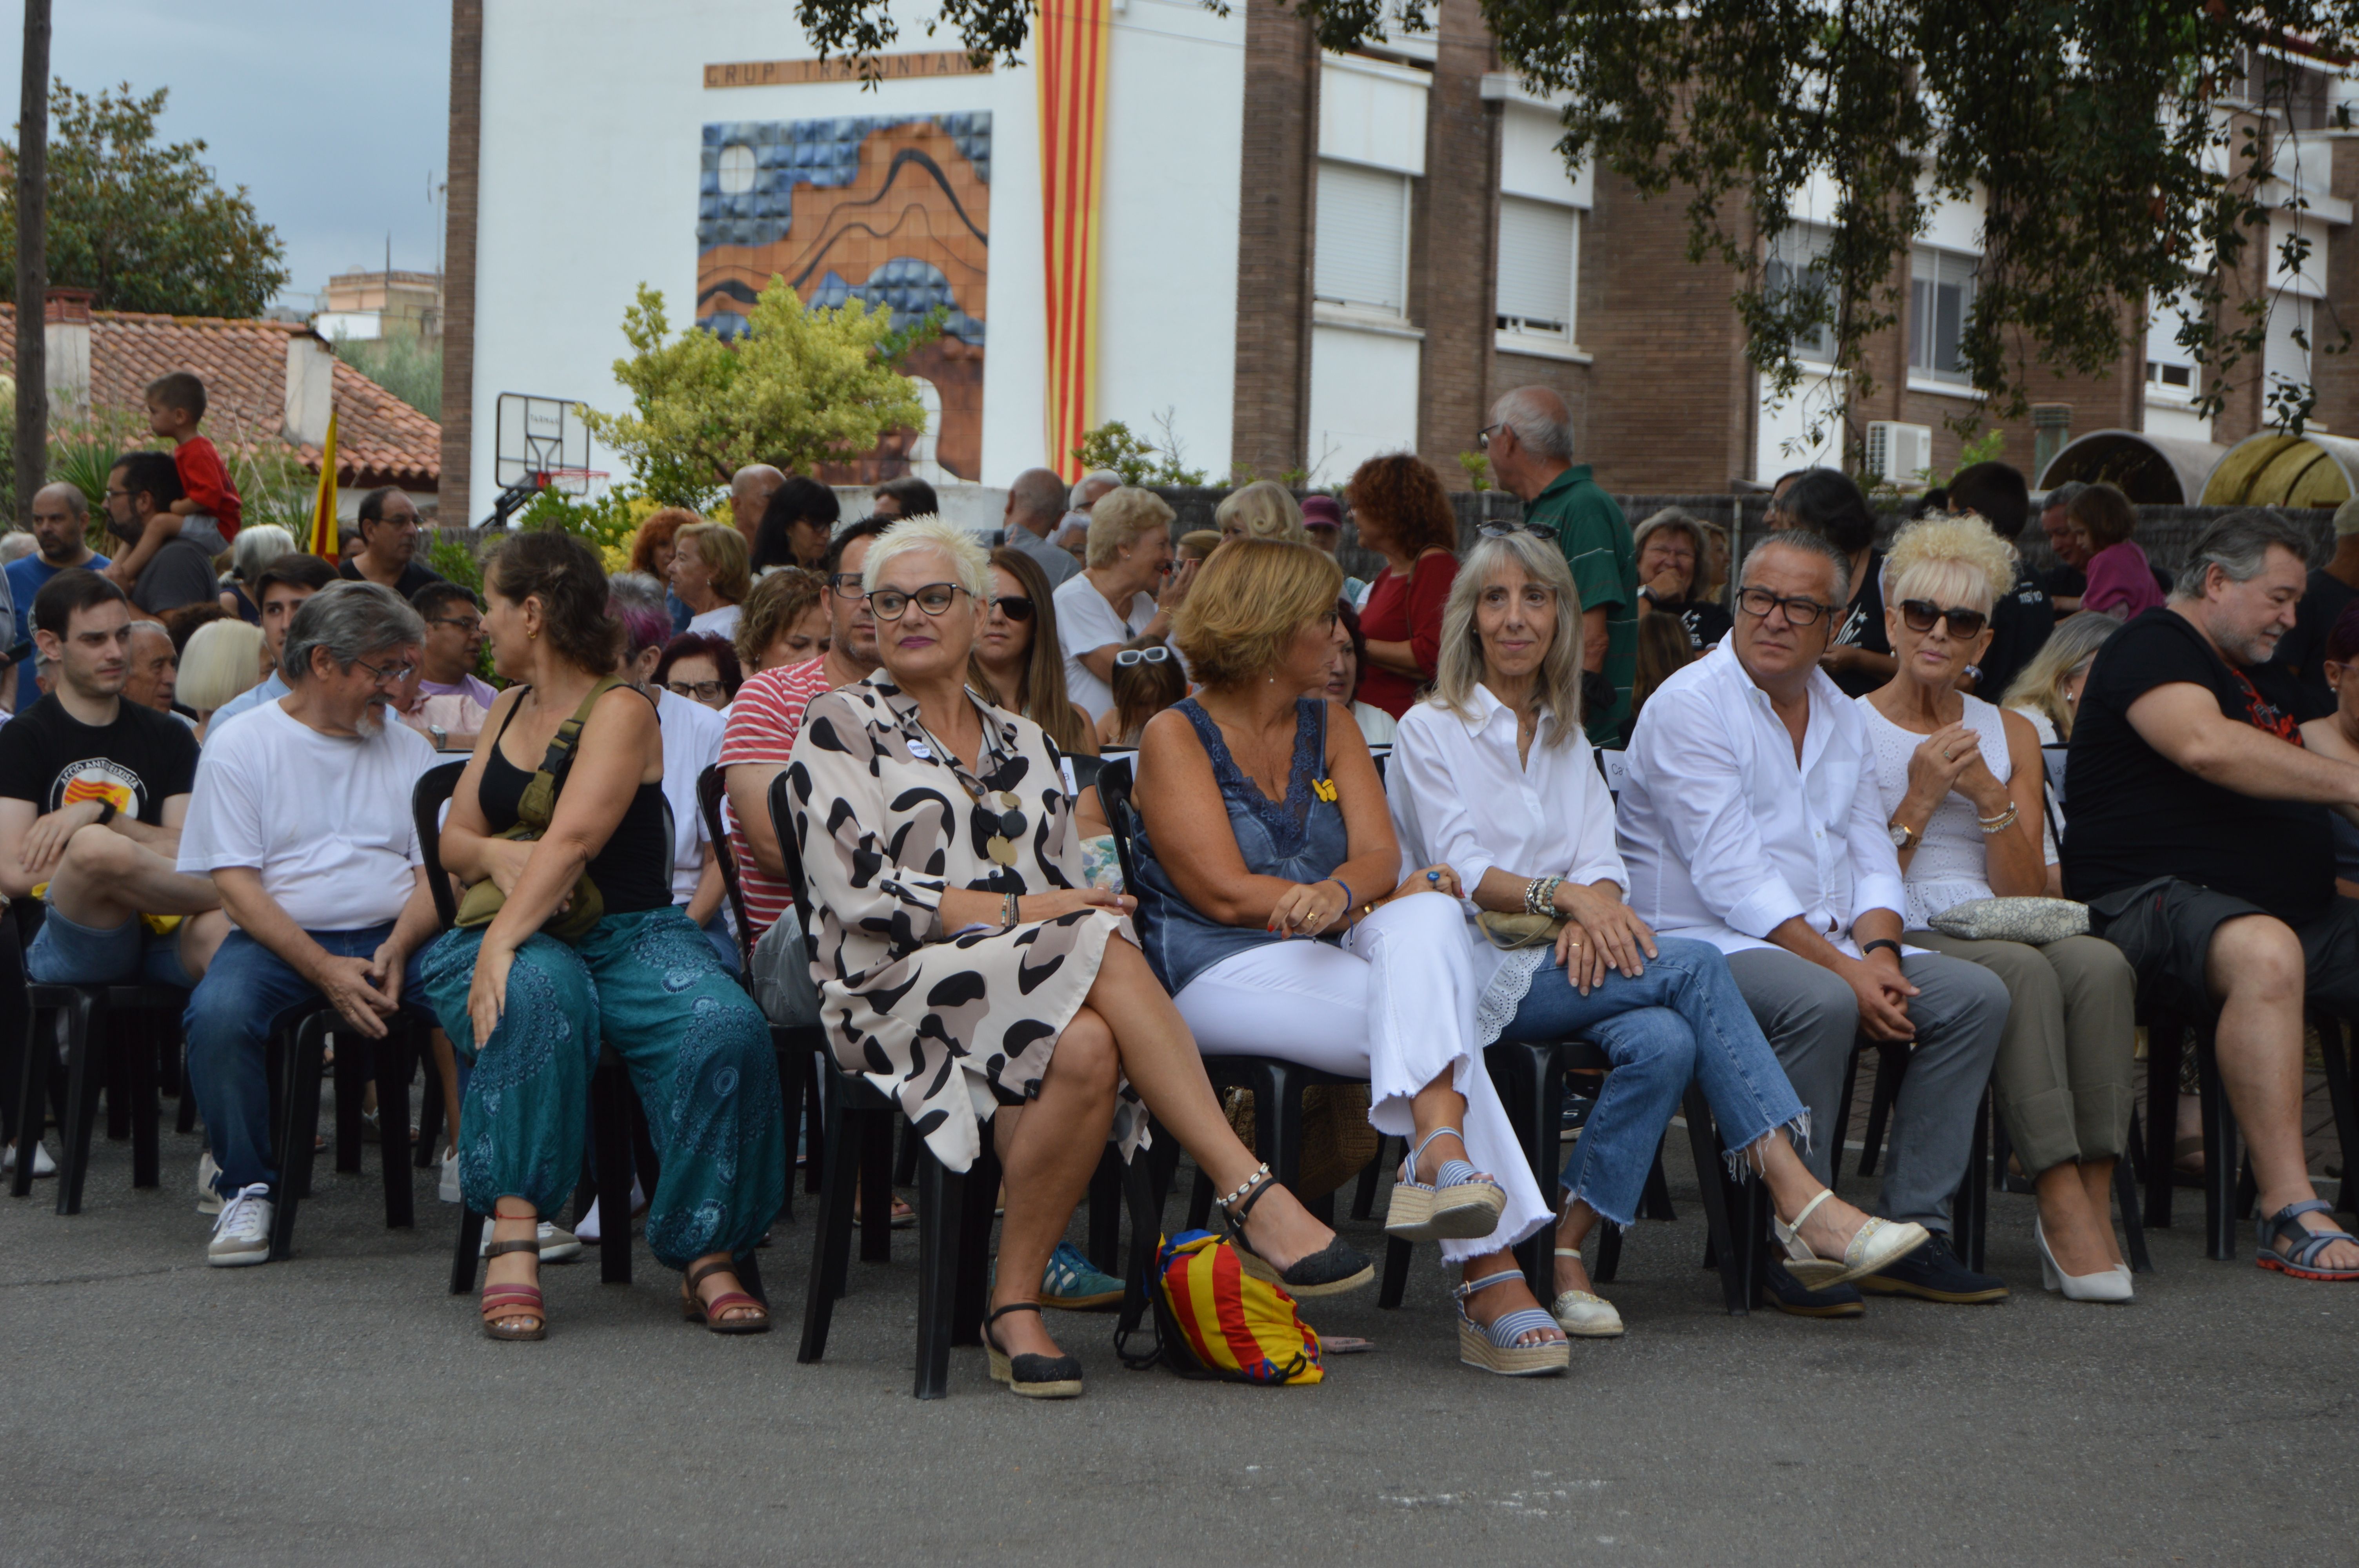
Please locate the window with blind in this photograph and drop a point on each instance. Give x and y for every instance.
(1941, 302)
(1363, 240)
(1538, 250)
(1794, 277)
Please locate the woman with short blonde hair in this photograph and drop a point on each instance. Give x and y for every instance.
(1262, 818)
(1963, 788)
(1127, 591)
(712, 574)
(223, 660)
(1262, 510)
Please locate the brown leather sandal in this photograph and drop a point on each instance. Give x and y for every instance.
(695, 1309)
(508, 1308)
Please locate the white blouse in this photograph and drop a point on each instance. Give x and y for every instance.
(1951, 865)
(1461, 797)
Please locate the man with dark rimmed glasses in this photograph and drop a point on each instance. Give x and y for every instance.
(1750, 819)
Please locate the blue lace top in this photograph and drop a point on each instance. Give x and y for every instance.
(1300, 837)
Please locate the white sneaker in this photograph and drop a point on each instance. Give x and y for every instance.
(449, 1191)
(209, 1198)
(42, 1164)
(558, 1245)
(590, 1232)
(242, 1235)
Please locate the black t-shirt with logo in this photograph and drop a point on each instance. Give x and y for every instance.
(2021, 624)
(139, 761)
(1859, 624)
(2133, 815)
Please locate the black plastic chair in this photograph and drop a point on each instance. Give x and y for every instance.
(298, 1043)
(611, 1096)
(857, 1123)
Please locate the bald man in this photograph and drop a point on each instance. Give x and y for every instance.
(1529, 443)
(750, 489)
(1035, 505)
(60, 524)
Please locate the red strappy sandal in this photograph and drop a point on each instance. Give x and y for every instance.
(695, 1309)
(514, 1301)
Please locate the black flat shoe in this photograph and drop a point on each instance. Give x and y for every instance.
(1934, 1273)
(1329, 1271)
(1787, 1294)
(1031, 1376)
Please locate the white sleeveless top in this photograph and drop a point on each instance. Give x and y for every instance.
(1953, 865)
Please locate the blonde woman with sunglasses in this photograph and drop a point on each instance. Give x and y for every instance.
(1960, 782)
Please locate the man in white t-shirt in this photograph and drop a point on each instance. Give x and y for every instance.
(300, 816)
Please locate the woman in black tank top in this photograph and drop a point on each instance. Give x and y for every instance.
(530, 1013)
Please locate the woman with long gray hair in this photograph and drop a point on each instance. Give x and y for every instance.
(1557, 951)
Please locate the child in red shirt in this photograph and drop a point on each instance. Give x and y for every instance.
(207, 513)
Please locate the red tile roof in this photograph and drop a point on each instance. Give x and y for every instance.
(380, 438)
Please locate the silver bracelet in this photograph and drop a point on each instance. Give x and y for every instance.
(2001, 823)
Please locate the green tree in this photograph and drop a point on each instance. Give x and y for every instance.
(403, 364)
(2119, 148)
(144, 226)
(802, 387)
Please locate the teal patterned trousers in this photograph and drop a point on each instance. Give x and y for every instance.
(698, 1051)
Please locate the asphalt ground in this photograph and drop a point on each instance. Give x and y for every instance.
(341, 1408)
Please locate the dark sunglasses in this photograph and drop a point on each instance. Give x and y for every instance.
(1015, 606)
(1509, 530)
(1918, 615)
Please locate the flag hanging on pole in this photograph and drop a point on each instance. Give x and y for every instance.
(323, 505)
(1070, 48)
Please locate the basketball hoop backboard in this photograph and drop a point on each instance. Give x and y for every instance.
(541, 444)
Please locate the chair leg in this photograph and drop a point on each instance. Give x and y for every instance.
(609, 1105)
(33, 1075)
(1969, 1205)
(349, 1095)
(1890, 1063)
(1147, 1186)
(1396, 1280)
(185, 1122)
(1712, 1191)
(1200, 1201)
(463, 1256)
(1364, 1197)
(814, 1122)
(1609, 1254)
(2331, 1039)
(905, 1155)
(2220, 1209)
(82, 1101)
(833, 1156)
(1654, 1197)
(2166, 1039)
(2125, 1193)
(427, 1155)
(1277, 1123)
(115, 1063)
(876, 1188)
(941, 1192)
(392, 1057)
(299, 1119)
(141, 1047)
(1841, 1131)
(1106, 1212)
(973, 1240)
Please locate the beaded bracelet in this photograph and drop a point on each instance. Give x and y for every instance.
(2001, 823)
(1251, 1182)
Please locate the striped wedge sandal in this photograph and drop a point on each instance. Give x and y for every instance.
(1461, 1205)
(1492, 1347)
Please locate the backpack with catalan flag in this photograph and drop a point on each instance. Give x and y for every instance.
(1214, 1320)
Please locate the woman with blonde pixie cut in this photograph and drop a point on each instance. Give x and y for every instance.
(1127, 590)
(223, 660)
(1492, 775)
(1263, 820)
(1262, 510)
(1962, 787)
(712, 574)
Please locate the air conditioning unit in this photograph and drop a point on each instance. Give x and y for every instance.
(1896, 452)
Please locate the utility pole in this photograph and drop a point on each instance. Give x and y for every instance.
(33, 267)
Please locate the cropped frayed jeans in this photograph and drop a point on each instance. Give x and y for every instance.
(1681, 1020)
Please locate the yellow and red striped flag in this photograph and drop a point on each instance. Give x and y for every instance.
(1070, 44)
(323, 505)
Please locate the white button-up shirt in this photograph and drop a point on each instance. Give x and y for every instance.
(1461, 797)
(1727, 838)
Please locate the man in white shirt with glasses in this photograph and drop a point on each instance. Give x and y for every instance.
(1750, 820)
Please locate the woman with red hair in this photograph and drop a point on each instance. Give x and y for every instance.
(1404, 516)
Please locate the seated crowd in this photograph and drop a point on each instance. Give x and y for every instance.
(1828, 799)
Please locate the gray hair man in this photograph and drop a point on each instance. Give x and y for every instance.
(750, 489)
(301, 819)
(2198, 837)
(1035, 505)
(1090, 487)
(1750, 819)
(1529, 444)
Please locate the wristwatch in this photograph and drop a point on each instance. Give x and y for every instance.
(1903, 836)
(1867, 947)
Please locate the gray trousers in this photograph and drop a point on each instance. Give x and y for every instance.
(782, 978)
(2063, 1077)
(1812, 1022)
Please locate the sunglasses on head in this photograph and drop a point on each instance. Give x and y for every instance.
(1015, 606)
(1129, 656)
(1918, 615)
(1509, 530)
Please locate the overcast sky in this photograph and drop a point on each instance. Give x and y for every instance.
(333, 117)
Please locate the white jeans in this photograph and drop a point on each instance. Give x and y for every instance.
(1394, 1005)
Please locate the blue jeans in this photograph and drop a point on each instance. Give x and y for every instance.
(1681, 1020)
(63, 953)
(228, 1025)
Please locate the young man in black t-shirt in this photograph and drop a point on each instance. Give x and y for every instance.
(93, 791)
(2023, 616)
(2197, 833)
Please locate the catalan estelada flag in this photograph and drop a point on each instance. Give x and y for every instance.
(323, 505)
(1070, 57)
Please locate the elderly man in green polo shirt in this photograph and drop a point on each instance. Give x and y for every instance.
(1529, 443)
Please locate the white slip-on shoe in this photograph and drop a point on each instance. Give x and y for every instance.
(449, 1191)
(242, 1235)
(1582, 1314)
(42, 1164)
(209, 1198)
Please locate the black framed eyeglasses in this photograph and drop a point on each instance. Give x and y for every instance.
(1758, 602)
(1483, 435)
(697, 690)
(1509, 530)
(469, 626)
(1015, 606)
(1918, 615)
(934, 599)
(846, 585)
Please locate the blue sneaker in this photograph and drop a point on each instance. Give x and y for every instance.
(1075, 1283)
